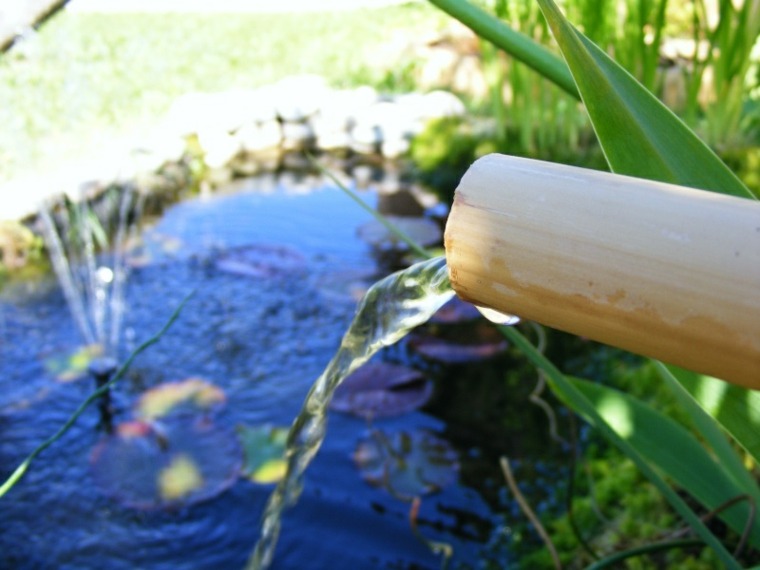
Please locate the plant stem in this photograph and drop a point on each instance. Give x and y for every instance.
(523, 502)
(646, 549)
(581, 405)
(398, 232)
(518, 45)
(23, 467)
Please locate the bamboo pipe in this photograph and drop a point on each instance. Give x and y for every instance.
(661, 270)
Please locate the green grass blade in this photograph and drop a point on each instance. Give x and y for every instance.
(638, 134)
(710, 430)
(23, 467)
(387, 224)
(736, 409)
(615, 560)
(579, 403)
(518, 45)
(674, 451)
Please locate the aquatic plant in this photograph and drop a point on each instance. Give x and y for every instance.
(720, 39)
(406, 464)
(174, 462)
(380, 389)
(640, 137)
(264, 452)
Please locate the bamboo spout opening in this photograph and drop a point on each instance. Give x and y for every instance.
(661, 270)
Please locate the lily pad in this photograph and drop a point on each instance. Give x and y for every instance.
(454, 352)
(378, 389)
(191, 395)
(261, 260)
(423, 231)
(72, 365)
(455, 311)
(264, 453)
(150, 465)
(180, 478)
(407, 465)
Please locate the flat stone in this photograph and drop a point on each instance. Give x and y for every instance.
(258, 137)
(395, 147)
(219, 148)
(394, 199)
(299, 97)
(438, 104)
(332, 140)
(365, 137)
(224, 111)
(297, 136)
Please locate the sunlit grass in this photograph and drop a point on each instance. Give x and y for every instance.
(86, 77)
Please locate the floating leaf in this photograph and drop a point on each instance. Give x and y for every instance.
(455, 311)
(264, 453)
(70, 366)
(261, 260)
(379, 389)
(191, 395)
(179, 479)
(453, 352)
(423, 231)
(407, 465)
(151, 465)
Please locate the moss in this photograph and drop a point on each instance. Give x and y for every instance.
(618, 511)
(745, 162)
(20, 251)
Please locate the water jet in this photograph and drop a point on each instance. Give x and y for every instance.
(93, 284)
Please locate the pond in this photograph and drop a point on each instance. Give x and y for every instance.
(275, 270)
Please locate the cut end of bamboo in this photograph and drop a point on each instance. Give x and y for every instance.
(657, 269)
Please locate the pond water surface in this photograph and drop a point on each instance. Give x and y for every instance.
(275, 272)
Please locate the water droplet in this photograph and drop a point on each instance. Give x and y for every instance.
(105, 274)
(499, 318)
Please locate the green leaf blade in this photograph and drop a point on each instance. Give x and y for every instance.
(675, 452)
(518, 45)
(566, 391)
(710, 430)
(639, 135)
(737, 409)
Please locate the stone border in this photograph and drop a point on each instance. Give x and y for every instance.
(223, 135)
(212, 138)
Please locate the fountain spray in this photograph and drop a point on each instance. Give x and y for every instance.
(93, 282)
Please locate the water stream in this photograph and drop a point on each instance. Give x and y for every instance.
(93, 285)
(389, 310)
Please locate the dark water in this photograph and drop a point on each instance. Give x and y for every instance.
(262, 331)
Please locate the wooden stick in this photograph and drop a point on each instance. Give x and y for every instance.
(657, 269)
